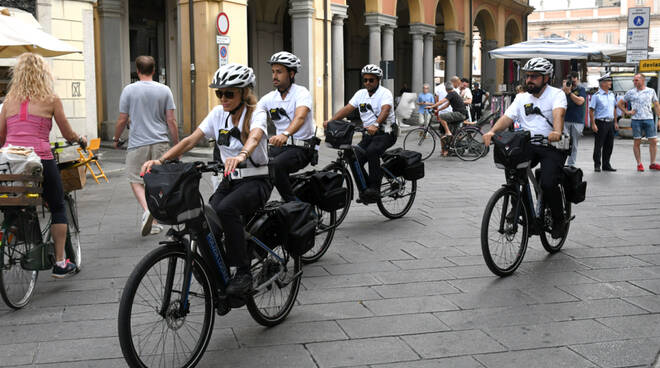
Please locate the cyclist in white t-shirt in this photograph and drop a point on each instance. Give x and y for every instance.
(541, 112)
(375, 105)
(289, 107)
(239, 129)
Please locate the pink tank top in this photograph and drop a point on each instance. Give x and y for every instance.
(28, 130)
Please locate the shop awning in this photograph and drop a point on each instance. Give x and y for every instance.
(552, 47)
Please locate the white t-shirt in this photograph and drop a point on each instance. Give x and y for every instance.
(551, 99)
(297, 96)
(218, 119)
(466, 93)
(441, 92)
(370, 106)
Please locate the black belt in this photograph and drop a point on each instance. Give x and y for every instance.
(605, 120)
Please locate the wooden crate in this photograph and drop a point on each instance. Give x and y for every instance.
(20, 190)
(74, 178)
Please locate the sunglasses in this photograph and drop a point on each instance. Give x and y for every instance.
(370, 80)
(228, 94)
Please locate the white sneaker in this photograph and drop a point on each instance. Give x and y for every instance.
(156, 229)
(147, 221)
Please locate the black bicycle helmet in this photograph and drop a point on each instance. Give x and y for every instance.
(233, 75)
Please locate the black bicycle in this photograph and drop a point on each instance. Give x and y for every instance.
(397, 189)
(168, 305)
(514, 213)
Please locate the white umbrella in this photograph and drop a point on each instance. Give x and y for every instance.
(17, 37)
(553, 47)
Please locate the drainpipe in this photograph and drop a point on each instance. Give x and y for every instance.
(325, 59)
(191, 31)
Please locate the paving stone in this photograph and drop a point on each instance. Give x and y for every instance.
(646, 325)
(624, 353)
(490, 298)
(407, 276)
(363, 267)
(391, 325)
(85, 349)
(623, 274)
(289, 333)
(361, 351)
(459, 362)
(604, 290)
(329, 311)
(542, 358)
(57, 331)
(452, 343)
(324, 282)
(317, 296)
(613, 262)
(650, 303)
(414, 289)
(422, 263)
(650, 285)
(16, 354)
(282, 356)
(29, 315)
(420, 304)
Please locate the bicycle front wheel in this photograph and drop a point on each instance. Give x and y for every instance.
(275, 287)
(152, 331)
(503, 235)
(16, 283)
(325, 232)
(396, 196)
(420, 140)
(469, 145)
(347, 182)
(72, 246)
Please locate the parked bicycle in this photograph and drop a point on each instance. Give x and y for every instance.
(168, 305)
(514, 213)
(23, 251)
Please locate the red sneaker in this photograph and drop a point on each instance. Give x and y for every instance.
(640, 167)
(654, 166)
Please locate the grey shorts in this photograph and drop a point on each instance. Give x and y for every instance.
(136, 157)
(452, 117)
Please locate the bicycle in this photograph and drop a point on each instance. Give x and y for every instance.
(397, 193)
(23, 252)
(511, 217)
(166, 311)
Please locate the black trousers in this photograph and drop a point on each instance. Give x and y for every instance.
(234, 203)
(53, 192)
(552, 163)
(604, 142)
(374, 146)
(284, 161)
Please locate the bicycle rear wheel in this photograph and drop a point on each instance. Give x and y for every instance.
(275, 287)
(469, 144)
(503, 244)
(551, 244)
(346, 183)
(396, 196)
(420, 140)
(151, 331)
(325, 232)
(72, 247)
(16, 283)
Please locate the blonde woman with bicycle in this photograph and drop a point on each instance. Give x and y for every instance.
(26, 120)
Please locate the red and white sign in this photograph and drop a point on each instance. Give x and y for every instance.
(222, 23)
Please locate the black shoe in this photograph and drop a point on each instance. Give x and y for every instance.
(608, 168)
(597, 169)
(557, 232)
(240, 284)
(370, 195)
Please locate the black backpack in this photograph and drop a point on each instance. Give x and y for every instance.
(172, 192)
(511, 148)
(339, 133)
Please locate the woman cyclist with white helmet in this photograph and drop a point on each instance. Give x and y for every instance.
(377, 114)
(239, 129)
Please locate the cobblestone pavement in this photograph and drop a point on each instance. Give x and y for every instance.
(412, 292)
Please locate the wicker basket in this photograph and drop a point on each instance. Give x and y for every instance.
(74, 178)
(20, 190)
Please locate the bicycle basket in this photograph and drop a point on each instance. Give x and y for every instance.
(512, 149)
(574, 187)
(41, 257)
(172, 192)
(338, 133)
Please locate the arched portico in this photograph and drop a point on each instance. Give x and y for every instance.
(484, 21)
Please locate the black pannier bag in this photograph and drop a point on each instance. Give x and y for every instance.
(40, 258)
(574, 187)
(511, 148)
(172, 192)
(414, 171)
(330, 194)
(404, 163)
(338, 133)
(297, 226)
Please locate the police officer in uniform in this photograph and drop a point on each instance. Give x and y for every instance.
(602, 117)
(289, 107)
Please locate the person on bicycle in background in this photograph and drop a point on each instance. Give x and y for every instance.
(289, 107)
(26, 120)
(375, 104)
(458, 112)
(541, 112)
(239, 129)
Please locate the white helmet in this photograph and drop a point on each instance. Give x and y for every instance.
(372, 69)
(287, 59)
(233, 75)
(539, 65)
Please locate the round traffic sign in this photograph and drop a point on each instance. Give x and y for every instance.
(638, 21)
(223, 51)
(222, 23)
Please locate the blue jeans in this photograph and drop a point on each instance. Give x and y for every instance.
(646, 126)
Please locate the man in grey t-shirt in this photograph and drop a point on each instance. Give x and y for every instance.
(150, 107)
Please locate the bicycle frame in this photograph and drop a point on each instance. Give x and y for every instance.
(347, 157)
(520, 183)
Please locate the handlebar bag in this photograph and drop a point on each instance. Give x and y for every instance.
(298, 226)
(574, 187)
(172, 192)
(511, 148)
(339, 132)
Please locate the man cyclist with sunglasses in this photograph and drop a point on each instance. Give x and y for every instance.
(541, 111)
(289, 107)
(375, 106)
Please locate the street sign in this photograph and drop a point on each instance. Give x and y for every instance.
(222, 23)
(222, 40)
(635, 56)
(638, 39)
(639, 17)
(650, 65)
(387, 66)
(222, 55)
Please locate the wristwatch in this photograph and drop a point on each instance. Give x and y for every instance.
(287, 134)
(115, 139)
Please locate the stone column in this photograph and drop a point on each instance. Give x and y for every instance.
(388, 52)
(110, 14)
(419, 58)
(428, 59)
(460, 52)
(374, 25)
(488, 77)
(301, 12)
(338, 16)
(450, 59)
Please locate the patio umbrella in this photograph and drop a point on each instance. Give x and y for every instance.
(17, 37)
(552, 47)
